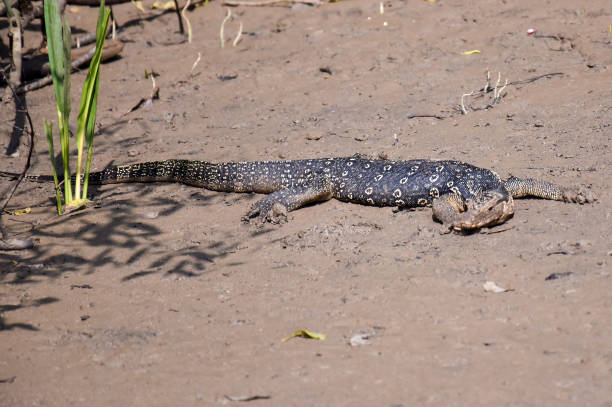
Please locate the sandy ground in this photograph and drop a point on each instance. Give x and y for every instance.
(157, 295)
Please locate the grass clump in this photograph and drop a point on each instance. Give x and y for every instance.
(59, 47)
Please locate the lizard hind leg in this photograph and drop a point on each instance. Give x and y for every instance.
(487, 209)
(523, 187)
(274, 207)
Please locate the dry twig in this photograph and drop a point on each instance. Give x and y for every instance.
(260, 3)
(463, 110)
(14, 78)
(221, 30)
(414, 115)
(111, 49)
(184, 15)
(535, 78)
(497, 93)
(37, 84)
(565, 43)
(178, 14)
(197, 61)
(5, 242)
(238, 36)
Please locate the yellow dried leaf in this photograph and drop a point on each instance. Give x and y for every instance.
(302, 333)
(75, 205)
(474, 51)
(138, 5)
(169, 5)
(18, 212)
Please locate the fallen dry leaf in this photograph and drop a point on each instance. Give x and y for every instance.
(302, 333)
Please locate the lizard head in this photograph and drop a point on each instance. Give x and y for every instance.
(486, 209)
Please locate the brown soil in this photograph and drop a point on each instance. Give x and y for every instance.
(157, 295)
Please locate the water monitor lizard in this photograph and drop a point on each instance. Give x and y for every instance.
(462, 196)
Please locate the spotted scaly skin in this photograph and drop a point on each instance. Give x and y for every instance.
(463, 196)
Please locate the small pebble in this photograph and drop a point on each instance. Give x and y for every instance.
(360, 340)
(491, 287)
(315, 135)
(555, 276)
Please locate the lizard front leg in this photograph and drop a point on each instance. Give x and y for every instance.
(488, 209)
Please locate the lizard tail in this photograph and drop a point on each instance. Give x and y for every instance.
(32, 178)
(155, 171)
(10, 175)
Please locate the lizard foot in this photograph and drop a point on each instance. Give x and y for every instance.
(267, 210)
(580, 195)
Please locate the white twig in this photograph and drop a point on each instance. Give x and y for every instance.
(221, 31)
(497, 97)
(496, 85)
(196, 62)
(498, 93)
(463, 110)
(238, 36)
(268, 2)
(184, 15)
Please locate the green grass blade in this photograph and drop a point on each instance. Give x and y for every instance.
(7, 7)
(101, 26)
(58, 39)
(49, 134)
(67, 48)
(91, 123)
(65, 129)
(89, 98)
(53, 26)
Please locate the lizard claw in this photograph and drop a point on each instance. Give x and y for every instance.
(445, 229)
(579, 195)
(267, 210)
